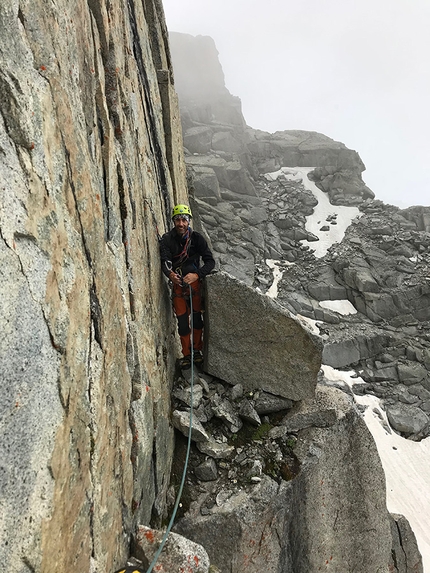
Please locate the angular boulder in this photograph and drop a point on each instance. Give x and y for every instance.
(407, 419)
(253, 341)
(178, 554)
(405, 552)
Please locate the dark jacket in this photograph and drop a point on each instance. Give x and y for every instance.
(174, 258)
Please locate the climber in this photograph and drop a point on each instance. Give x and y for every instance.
(181, 250)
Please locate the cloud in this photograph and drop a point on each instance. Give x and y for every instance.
(355, 71)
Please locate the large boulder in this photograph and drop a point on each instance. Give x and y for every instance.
(206, 185)
(245, 531)
(252, 340)
(296, 147)
(341, 521)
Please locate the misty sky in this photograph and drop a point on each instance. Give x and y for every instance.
(358, 72)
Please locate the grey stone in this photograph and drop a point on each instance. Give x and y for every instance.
(225, 141)
(236, 392)
(289, 357)
(253, 216)
(426, 358)
(349, 350)
(342, 353)
(207, 470)
(322, 291)
(202, 413)
(223, 410)
(286, 222)
(254, 236)
(407, 419)
(383, 373)
(411, 372)
(178, 553)
(255, 470)
(425, 406)
(418, 390)
(311, 412)
(402, 394)
(248, 413)
(361, 280)
(230, 174)
(340, 467)
(235, 526)
(265, 403)
(184, 394)
(198, 139)
(242, 269)
(206, 184)
(181, 421)
(380, 306)
(215, 449)
(407, 556)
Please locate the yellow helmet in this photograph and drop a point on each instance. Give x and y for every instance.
(181, 210)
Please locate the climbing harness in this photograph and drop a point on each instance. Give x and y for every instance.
(181, 487)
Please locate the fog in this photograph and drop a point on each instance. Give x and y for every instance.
(357, 72)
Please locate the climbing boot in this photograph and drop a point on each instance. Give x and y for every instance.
(198, 357)
(185, 362)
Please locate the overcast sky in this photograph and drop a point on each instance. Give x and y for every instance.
(356, 71)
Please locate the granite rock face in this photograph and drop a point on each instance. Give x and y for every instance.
(88, 124)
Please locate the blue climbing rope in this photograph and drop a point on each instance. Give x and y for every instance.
(181, 487)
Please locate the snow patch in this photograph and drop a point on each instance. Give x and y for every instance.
(309, 323)
(340, 306)
(277, 276)
(324, 210)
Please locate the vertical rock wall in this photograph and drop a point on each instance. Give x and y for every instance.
(90, 160)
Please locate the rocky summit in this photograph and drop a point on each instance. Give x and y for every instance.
(294, 203)
(314, 273)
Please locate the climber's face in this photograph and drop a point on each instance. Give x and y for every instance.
(181, 225)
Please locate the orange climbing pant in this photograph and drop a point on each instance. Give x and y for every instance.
(182, 308)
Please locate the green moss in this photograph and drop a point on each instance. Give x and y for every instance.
(291, 443)
(261, 432)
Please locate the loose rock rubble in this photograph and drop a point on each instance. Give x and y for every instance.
(235, 445)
